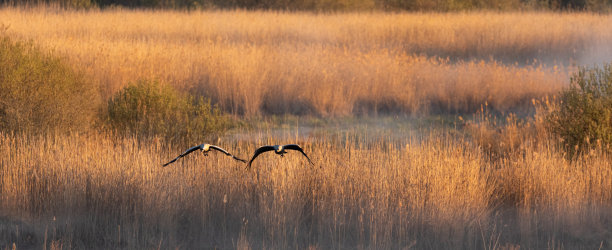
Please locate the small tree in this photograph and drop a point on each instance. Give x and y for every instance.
(584, 117)
(149, 108)
(39, 92)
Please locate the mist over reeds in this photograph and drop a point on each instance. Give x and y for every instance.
(427, 130)
(259, 63)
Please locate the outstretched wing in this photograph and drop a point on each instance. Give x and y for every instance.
(257, 152)
(220, 150)
(238, 159)
(227, 153)
(188, 151)
(298, 148)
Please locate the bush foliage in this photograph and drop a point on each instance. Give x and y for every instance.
(584, 118)
(150, 108)
(39, 92)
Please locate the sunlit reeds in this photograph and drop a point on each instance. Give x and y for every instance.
(326, 64)
(505, 187)
(93, 191)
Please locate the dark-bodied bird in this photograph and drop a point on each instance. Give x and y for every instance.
(205, 148)
(279, 150)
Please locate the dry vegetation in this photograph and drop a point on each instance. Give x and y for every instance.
(326, 64)
(499, 187)
(90, 192)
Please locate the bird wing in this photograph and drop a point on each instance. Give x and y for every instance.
(188, 151)
(259, 151)
(220, 149)
(238, 159)
(227, 153)
(298, 148)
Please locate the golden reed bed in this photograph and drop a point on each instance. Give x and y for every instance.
(326, 64)
(391, 191)
(439, 192)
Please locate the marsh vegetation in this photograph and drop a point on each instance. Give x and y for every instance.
(427, 130)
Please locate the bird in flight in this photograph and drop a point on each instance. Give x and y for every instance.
(205, 148)
(279, 150)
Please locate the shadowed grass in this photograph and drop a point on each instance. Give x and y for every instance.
(94, 192)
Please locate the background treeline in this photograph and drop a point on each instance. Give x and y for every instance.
(334, 5)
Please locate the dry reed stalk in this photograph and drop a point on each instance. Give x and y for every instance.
(341, 64)
(441, 192)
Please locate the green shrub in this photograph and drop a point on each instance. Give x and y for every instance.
(40, 92)
(583, 119)
(149, 108)
(77, 4)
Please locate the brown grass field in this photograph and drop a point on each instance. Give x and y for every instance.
(388, 184)
(254, 63)
(363, 192)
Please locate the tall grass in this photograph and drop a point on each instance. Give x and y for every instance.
(503, 188)
(326, 64)
(97, 192)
